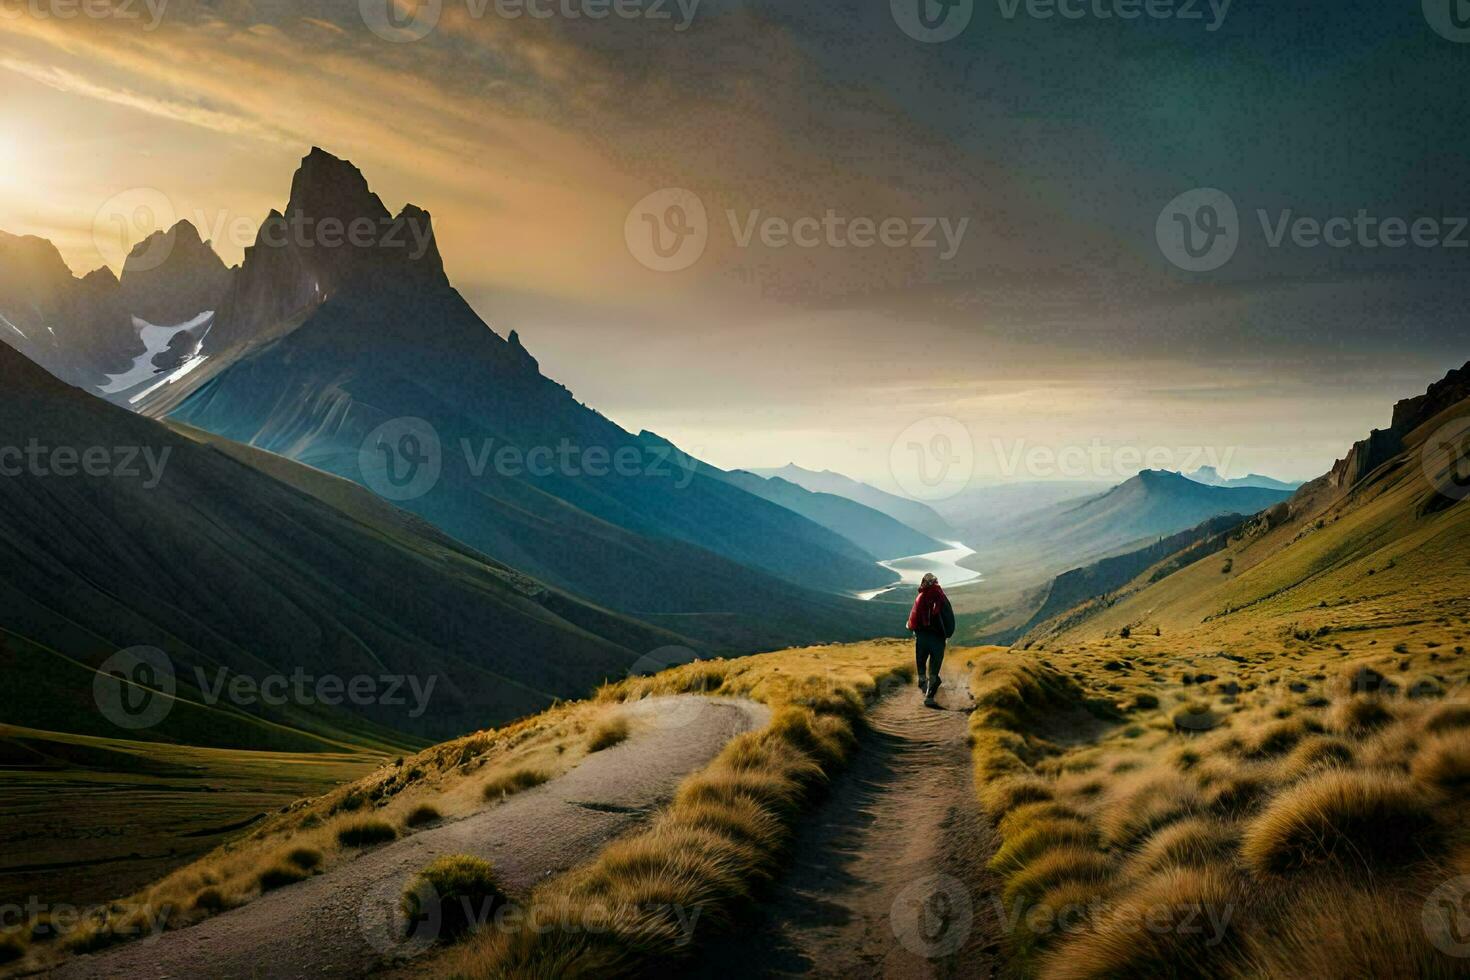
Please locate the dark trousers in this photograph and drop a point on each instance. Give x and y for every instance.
(929, 658)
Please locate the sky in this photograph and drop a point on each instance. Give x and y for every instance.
(1073, 236)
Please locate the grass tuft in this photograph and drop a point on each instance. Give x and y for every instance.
(1343, 817)
(366, 832)
(456, 891)
(515, 781)
(613, 731)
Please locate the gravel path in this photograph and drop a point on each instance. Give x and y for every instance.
(345, 923)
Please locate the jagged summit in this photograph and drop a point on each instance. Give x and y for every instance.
(326, 186)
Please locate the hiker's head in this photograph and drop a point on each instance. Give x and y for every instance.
(929, 579)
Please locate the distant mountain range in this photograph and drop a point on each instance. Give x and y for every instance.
(911, 513)
(1376, 545)
(1211, 477)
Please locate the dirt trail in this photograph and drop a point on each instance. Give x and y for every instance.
(887, 878)
(344, 923)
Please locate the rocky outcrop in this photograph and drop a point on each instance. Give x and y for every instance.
(1383, 445)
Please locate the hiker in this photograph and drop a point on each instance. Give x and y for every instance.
(932, 622)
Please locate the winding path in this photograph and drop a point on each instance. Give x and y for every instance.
(345, 923)
(887, 878)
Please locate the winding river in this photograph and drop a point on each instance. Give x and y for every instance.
(945, 564)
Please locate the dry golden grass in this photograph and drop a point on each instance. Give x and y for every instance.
(501, 785)
(613, 731)
(1310, 804)
(456, 892)
(1171, 924)
(1346, 817)
(720, 841)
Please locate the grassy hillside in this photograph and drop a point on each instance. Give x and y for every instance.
(1263, 753)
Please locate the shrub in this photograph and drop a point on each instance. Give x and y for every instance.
(1360, 716)
(1166, 927)
(364, 833)
(458, 891)
(1042, 836)
(210, 900)
(1138, 809)
(613, 731)
(1053, 868)
(305, 858)
(1444, 763)
(421, 816)
(1195, 842)
(515, 781)
(1447, 718)
(1334, 929)
(1000, 796)
(1341, 816)
(279, 876)
(1315, 753)
(1195, 716)
(1276, 738)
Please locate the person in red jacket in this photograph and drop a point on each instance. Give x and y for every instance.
(932, 623)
